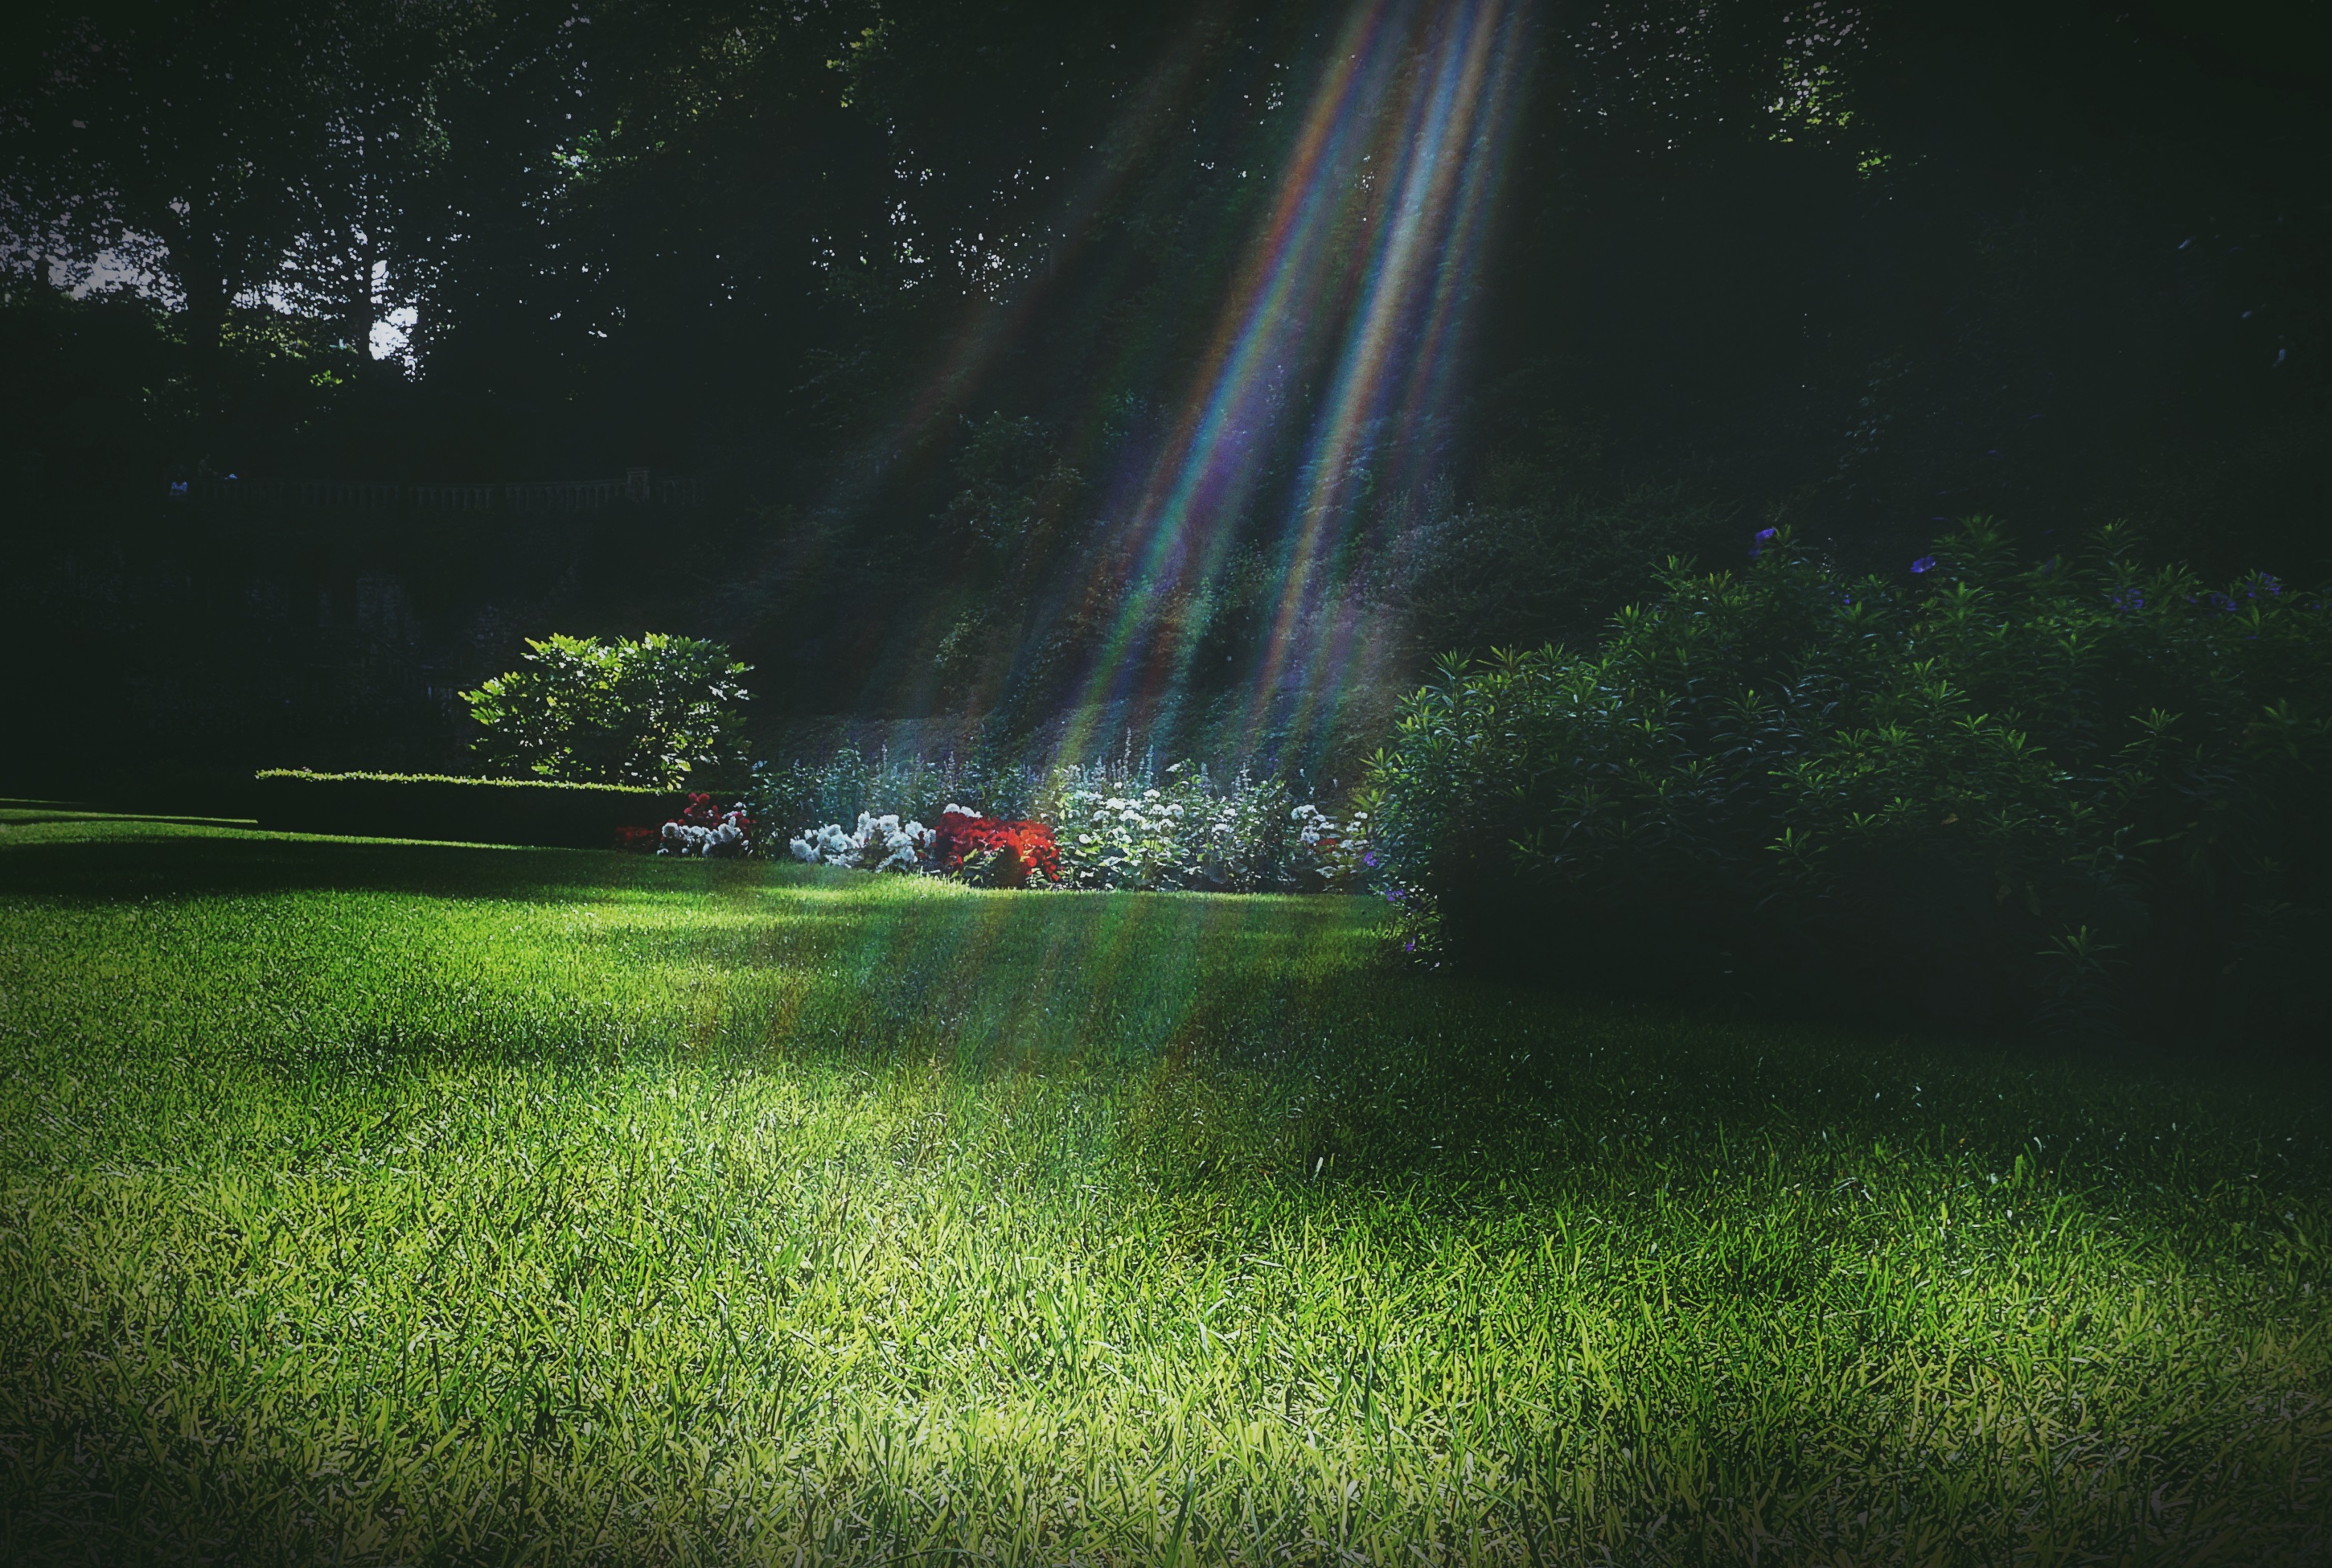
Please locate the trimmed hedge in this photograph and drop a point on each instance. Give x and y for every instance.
(460, 810)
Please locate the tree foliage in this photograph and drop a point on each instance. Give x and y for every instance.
(934, 283)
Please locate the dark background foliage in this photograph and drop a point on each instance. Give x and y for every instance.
(912, 286)
(2073, 790)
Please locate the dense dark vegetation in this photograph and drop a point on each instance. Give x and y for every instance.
(918, 289)
(2071, 790)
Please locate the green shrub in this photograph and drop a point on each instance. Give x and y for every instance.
(1987, 789)
(580, 710)
(1547, 564)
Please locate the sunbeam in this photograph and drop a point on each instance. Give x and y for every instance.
(1328, 371)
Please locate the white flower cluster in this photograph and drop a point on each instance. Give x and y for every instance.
(725, 840)
(1336, 852)
(1238, 834)
(1119, 840)
(1241, 845)
(880, 844)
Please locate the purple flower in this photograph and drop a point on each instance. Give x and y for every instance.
(1925, 563)
(2130, 598)
(1395, 895)
(1369, 859)
(1765, 533)
(1408, 946)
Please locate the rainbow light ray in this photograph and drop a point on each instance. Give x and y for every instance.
(1213, 458)
(1401, 347)
(1429, 86)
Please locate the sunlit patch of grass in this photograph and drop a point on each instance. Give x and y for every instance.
(393, 1202)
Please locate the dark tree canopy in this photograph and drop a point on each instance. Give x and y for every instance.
(925, 296)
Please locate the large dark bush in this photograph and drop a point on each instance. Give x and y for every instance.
(1546, 563)
(1989, 789)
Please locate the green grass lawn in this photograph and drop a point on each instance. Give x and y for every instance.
(409, 1203)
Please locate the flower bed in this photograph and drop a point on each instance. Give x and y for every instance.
(1242, 835)
(1104, 827)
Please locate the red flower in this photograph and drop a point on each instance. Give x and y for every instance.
(1013, 851)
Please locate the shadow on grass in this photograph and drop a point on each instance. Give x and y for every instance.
(1277, 1023)
(146, 858)
(1701, 1263)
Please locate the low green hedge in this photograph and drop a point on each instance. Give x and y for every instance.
(463, 810)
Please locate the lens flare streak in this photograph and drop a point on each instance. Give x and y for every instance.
(1357, 281)
(1392, 359)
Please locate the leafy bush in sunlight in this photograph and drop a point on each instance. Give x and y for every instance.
(1992, 789)
(579, 709)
